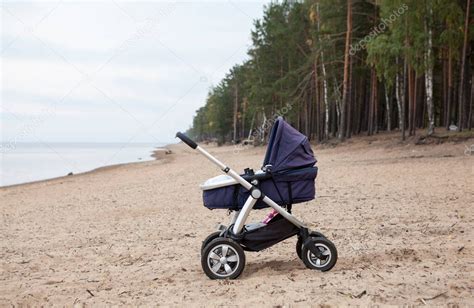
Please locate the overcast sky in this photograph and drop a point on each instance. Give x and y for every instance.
(112, 71)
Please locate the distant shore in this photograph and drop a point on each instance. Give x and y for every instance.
(388, 139)
(157, 153)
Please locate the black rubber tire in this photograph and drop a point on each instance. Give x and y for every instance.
(306, 254)
(219, 241)
(209, 238)
(299, 242)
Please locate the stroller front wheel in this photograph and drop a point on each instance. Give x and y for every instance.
(322, 255)
(223, 258)
(299, 242)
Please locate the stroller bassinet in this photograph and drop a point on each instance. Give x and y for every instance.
(287, 176)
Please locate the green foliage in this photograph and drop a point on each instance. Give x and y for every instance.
(292, 41)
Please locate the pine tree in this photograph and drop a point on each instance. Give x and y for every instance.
(333, 68)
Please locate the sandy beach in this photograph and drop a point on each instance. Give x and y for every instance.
(401, 216)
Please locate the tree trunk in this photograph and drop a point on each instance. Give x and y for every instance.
(388, 107)
(236, 110)
(345, 84)
(325, 83)
(281, 84)
(310, 116)
(410, 101)
(349, 104)
(326, 102)
(445, 88)
(405, 72)
(376, 105)
(463, 66)
(306, 115)
(422, 108)
(365, 104)
(429, 72)
(414, 102)
(450, 89)
(337, 95)
(333, 120)
(361, 103)
(242, 121)
(400, 95)
(373, 84)
(317, 116)
(470, 103)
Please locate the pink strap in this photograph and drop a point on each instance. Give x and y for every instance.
(269, 216)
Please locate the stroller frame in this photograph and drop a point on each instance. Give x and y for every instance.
(312, 247)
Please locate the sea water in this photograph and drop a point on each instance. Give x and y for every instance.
(28, 162)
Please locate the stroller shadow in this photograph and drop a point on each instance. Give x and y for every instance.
(276, 267)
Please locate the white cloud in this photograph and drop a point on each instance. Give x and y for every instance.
(150, 88)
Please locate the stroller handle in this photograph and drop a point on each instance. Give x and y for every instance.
(186, 140)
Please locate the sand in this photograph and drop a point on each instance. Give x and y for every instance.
(400, 215)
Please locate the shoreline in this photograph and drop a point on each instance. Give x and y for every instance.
(387, 140)
(157, 154)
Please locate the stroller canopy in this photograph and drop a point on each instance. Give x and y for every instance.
(287, 148)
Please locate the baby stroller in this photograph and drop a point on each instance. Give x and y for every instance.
(286, 178)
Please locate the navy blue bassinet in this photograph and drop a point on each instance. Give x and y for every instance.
(287, 178)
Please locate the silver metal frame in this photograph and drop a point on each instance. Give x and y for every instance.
(241, 216)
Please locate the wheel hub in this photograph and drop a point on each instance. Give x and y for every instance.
(325, 256)
(223, 260)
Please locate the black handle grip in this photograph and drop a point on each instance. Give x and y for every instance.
(186, 140)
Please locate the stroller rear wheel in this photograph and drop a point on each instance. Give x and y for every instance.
(322, 256)
(223, 258)
(299, 243)
(209, 238)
